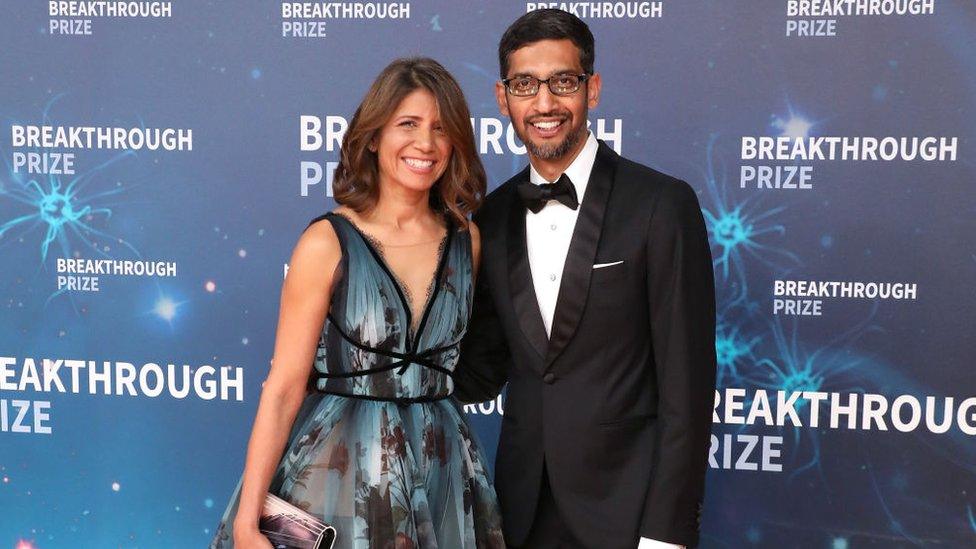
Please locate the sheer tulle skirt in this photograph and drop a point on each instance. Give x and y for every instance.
(386, 476)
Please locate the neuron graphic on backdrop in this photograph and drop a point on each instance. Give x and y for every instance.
(761, 353)
(739, 231)
(62, 210)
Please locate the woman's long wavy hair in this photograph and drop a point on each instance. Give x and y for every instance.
(460, 190)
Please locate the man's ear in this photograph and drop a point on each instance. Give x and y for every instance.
(593, 84)
(501, 98)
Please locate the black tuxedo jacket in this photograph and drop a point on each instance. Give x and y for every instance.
(617, 401)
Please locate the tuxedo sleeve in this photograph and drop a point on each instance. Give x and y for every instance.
(482, 368)
(681, 301)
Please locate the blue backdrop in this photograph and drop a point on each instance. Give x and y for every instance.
(161, 159)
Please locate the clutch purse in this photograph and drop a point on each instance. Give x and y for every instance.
(288, 527)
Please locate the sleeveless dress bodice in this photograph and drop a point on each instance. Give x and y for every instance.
(378, 449)
(369, 347)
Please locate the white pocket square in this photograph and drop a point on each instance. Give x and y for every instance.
(602, 265)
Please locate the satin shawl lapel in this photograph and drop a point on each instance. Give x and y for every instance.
(520, 276)
(575, 284)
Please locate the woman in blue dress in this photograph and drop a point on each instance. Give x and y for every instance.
(355, 424)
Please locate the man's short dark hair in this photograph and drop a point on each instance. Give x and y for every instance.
(547, 24)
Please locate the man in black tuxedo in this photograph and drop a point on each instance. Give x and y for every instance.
(595, 303)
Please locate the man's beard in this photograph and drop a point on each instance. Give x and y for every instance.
(557, 151)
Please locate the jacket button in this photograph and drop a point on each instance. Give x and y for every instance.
(549, 378)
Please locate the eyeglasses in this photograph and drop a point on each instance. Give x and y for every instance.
(559, 84)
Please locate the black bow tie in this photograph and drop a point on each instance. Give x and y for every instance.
(535, 196)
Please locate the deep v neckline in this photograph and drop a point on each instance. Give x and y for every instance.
(375, 249)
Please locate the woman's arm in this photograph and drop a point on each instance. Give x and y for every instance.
(305, 297)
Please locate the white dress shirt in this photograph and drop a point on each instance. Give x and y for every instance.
(547, 237)
(548, 233)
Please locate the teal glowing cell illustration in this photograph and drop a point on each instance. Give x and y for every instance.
(736, 232)
(63, 210)
(68, 211)
(732, 350)
(793, 367)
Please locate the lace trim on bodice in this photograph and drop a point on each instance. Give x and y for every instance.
(415, 315)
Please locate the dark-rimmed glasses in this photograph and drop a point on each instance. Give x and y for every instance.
(559, 84)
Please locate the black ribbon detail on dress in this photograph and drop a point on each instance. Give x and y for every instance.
(404, 360)
(535, 196)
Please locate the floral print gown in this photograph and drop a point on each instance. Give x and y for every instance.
(377, 449)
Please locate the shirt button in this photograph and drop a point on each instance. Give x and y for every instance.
(549, 378)
(552, 227)
(552, 277)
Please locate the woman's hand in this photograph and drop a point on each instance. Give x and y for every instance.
(250, 538)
